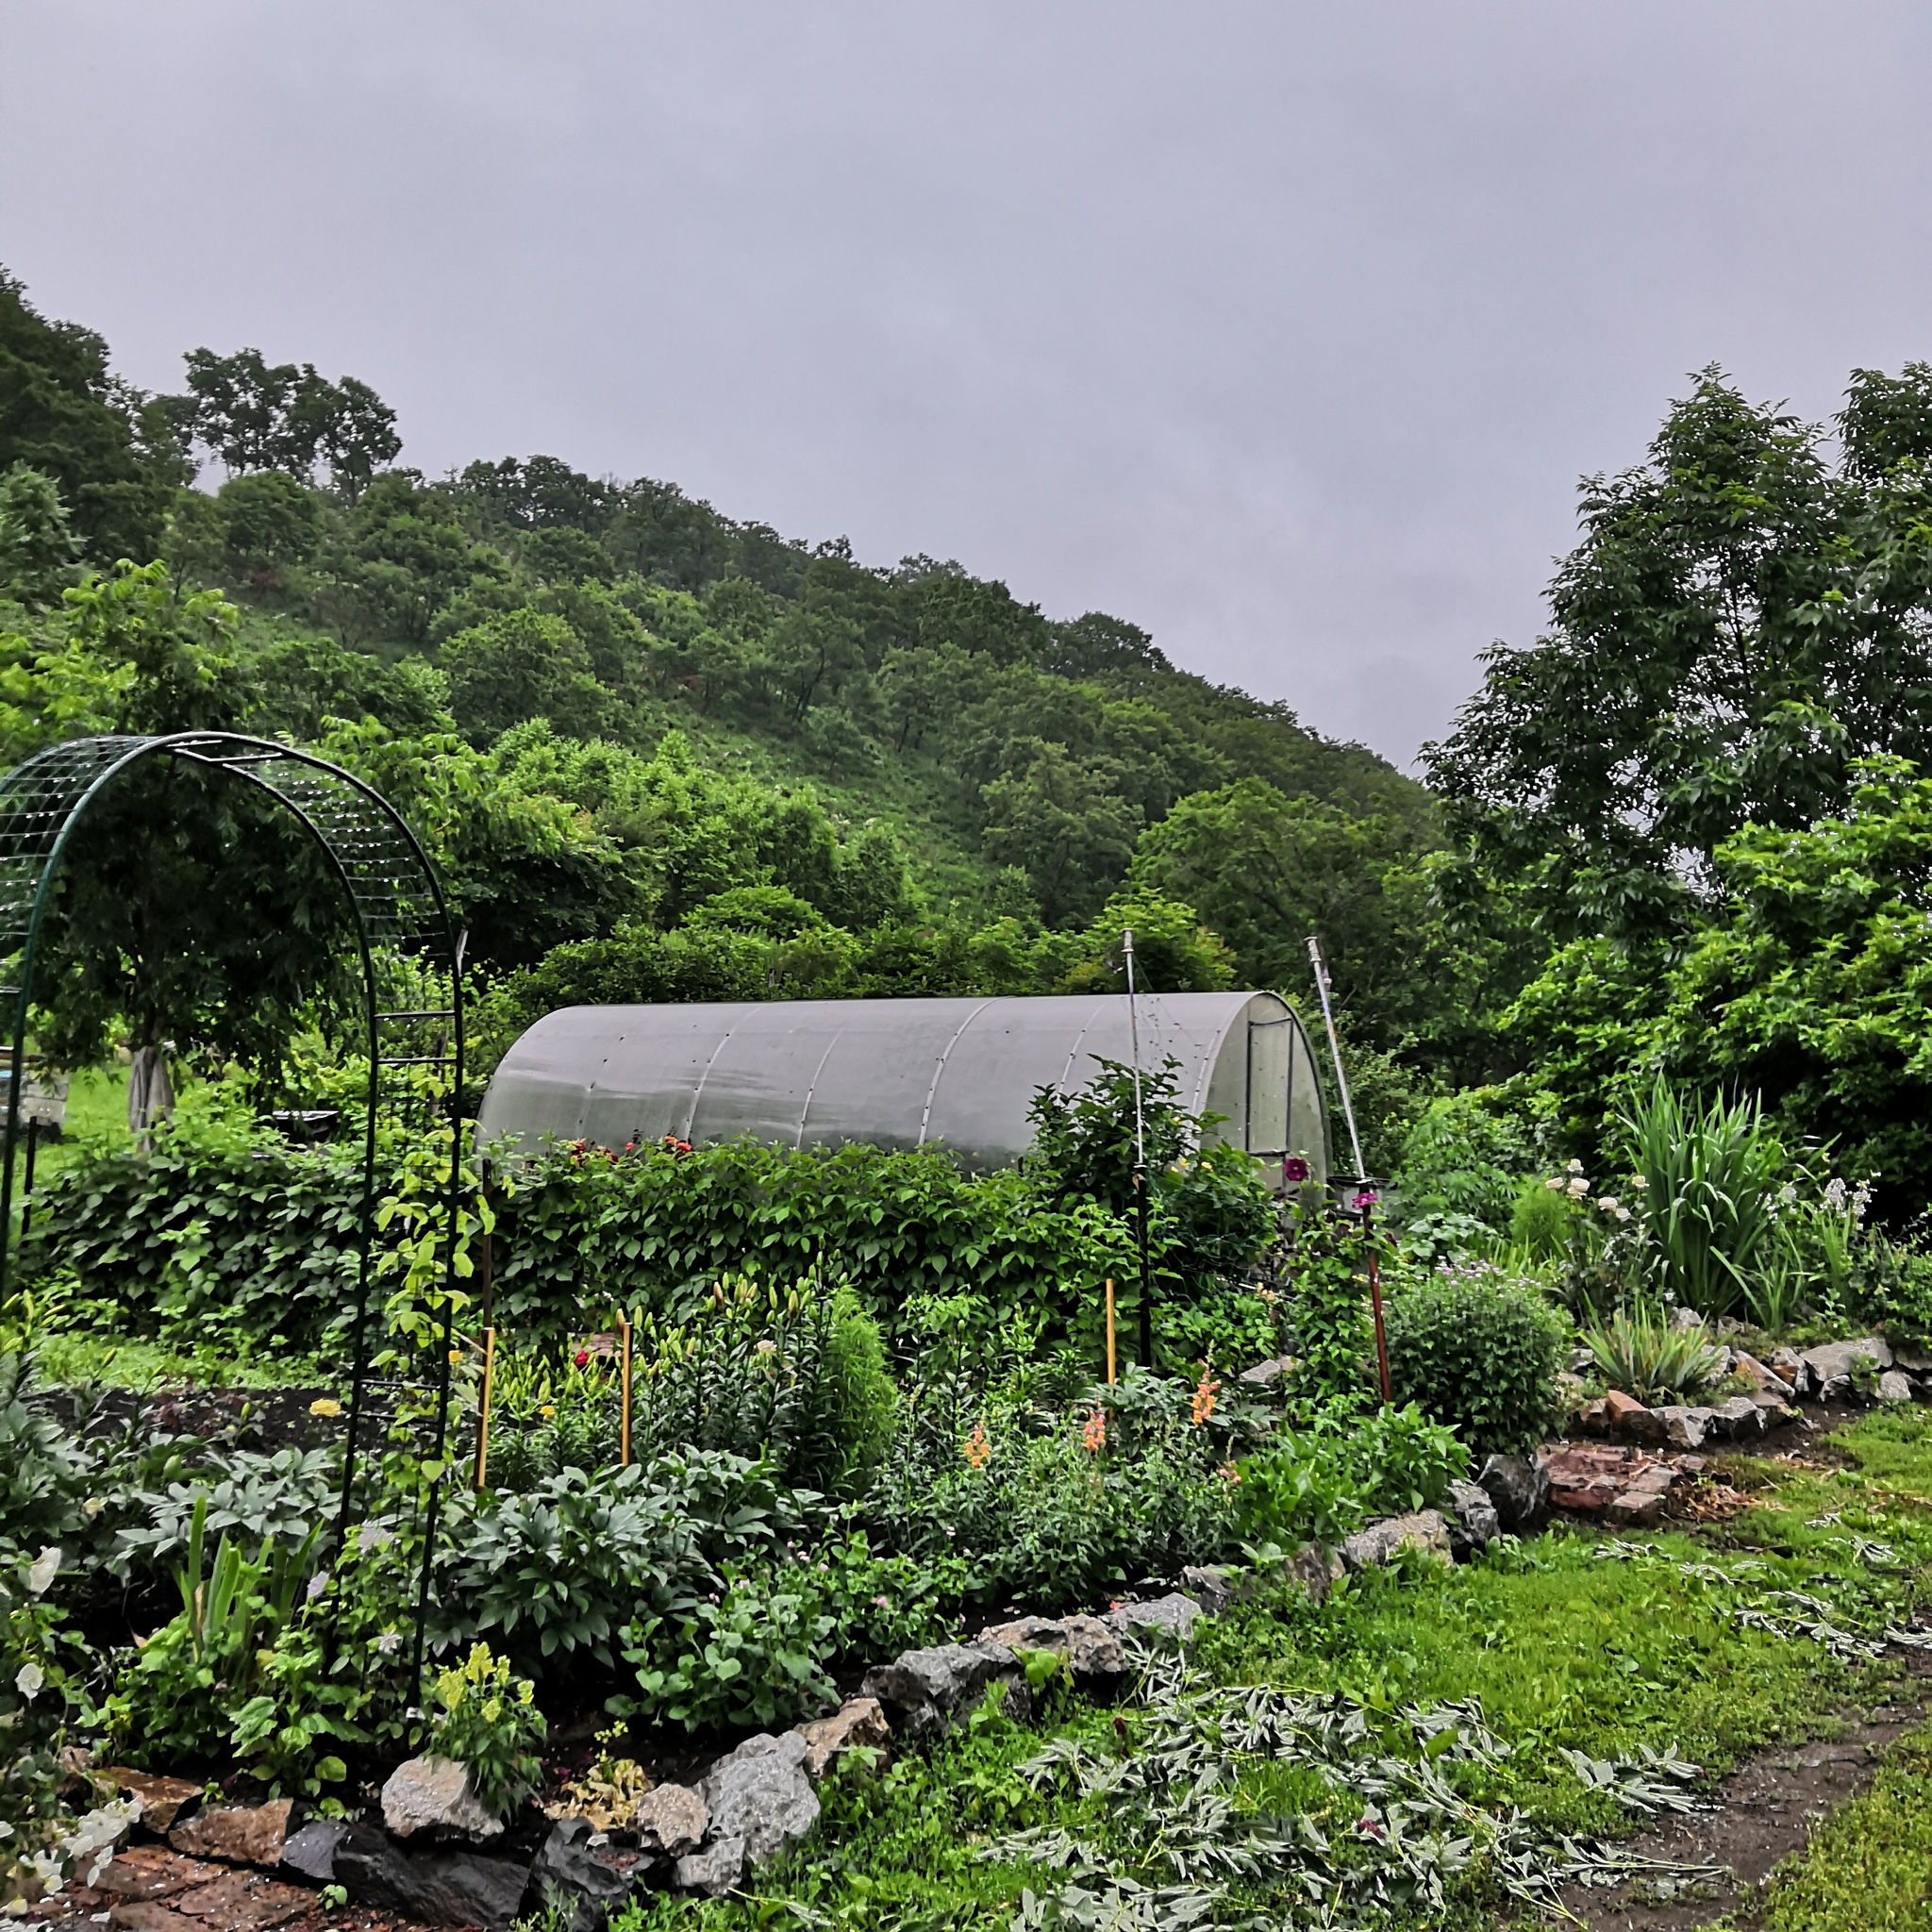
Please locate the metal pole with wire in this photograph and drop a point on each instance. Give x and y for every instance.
(1140, 1160)
(1320, 967)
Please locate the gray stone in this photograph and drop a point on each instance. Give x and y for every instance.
(434, 1794)
(1173, 1615)
(761, 1795)
(1264, 1373)
(1685, 1428)
(1473, 1524)
(1211, 1585)
(716, 1870)
(1760, 1378)
(1374, 1545)
(1091, 1649)
(1316, 1568)
(1518, 1486)
(1739, 1419)
(1686, 1318)
(670, 1818)
(860, 1722)
(1894, 1386)
(310, 1852)
(581, 1871)
(1835, 1366)
(441, 1885)
(926, 1691)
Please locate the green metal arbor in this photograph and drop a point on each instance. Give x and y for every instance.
(399, 908)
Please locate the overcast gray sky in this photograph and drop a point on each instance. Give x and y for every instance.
(1283, 330)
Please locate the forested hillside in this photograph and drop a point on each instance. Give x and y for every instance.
(665, 753)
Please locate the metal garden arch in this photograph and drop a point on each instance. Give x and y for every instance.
(398, 905)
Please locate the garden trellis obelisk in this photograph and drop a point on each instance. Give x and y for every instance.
(398, 906)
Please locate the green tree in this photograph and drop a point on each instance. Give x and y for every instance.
(1062, 821)
(517, 666)
(38, 547)
(1741, 621)
(65, 415)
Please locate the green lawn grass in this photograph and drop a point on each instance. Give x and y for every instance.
(1563, 1648)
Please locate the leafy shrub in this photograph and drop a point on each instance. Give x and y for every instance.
(37, 1700)
(1466, 1155)
(44, 1475)
(1478, 1350)
(1321, 1481)
(751, 1653)
(259, 1498)
(489, 1724)
(1541, 1221)
(1325, 1269)
(796, 1379)
(563, 1569)
(1891, 1286)
(1647, 1356)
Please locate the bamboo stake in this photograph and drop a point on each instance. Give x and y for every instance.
(624, 1335)
(483, 1418)
(1109, 1335)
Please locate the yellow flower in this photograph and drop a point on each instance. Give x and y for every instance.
(325, 1404)
(456, 1355)
(548, 1410)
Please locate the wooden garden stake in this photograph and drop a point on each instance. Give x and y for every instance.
(483, 1419)
(624, 1443)
(1109, 1334)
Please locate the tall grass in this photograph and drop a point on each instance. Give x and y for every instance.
(1708, 1171)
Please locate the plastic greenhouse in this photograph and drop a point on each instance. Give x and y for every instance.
(897, 1073)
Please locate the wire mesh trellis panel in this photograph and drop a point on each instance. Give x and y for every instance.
(399, 912)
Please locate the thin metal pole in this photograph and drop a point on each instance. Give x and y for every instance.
(1335, 1052)
(1376, 1301)
(1110, 1376)
(26, 1185)
(1140, 1160)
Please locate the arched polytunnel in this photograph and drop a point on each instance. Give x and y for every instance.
(901, 1074)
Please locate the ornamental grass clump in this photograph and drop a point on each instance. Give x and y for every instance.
(1642, 1352)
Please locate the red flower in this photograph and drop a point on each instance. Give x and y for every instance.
(1294, 1170)
(583, 1357)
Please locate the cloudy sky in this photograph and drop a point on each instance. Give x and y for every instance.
(1284, 330)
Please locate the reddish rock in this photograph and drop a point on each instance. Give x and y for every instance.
(1635, 1509)
(1593, 1419)
(241, 1834)
(162, 1799)
(149, 1915)
(243, 1902)
(151, 1872)
(1630, 1419)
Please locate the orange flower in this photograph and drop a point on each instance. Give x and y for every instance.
(1095, 1434)
(978, 1450)
(1204, 1393)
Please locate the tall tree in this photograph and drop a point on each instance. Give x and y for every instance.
(1742, 619)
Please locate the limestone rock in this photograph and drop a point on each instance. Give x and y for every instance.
(716, 1870)
(1685, 1428)
(434, 1794)
(670, 1818)
(1787, 1365)
(1316, 1568)
(761, 1795)
(1740, 1419)
(1211, 1585)
(1894, 1386)
(310, 1852)
(241, 1834)
(578, 1870)
(441, 1885)
(164, 1800)
(1834, 1367)
(1518, 1486)
(1760, 1379)
(1266, 1372)
(926, 1691)
(1091, 1649)
(1173, 1615)
(1375, 1544)
(1473, 1524)
(859, 1720)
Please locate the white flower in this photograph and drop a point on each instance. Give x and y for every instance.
(1579, 1188)
(1608, 1204)
(44, 1568)
(370, 1536)
(390, 1642)
(1835, 1194)
(1555, 1184)
(317, 1584)
(1623, 1214)
(28, 1680)
(1577, 1167)
(1640, 1181)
